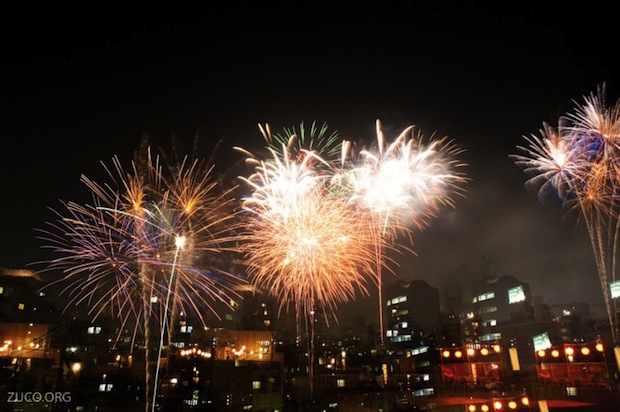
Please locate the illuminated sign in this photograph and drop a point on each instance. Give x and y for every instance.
(615, 289)
(516, 294)
(541, 341)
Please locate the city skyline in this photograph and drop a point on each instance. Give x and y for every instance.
(79, 92)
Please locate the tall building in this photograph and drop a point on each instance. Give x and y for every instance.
(412, 311)
(454, 298)
(496, 301)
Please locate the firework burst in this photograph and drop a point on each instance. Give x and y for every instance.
(400, 185)
(304, 241)
(406, 182)
(305, 244)
(576, 167)
(121, 254)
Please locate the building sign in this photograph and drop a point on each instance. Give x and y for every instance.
(516, 294)
(541, 342)
(615, 289)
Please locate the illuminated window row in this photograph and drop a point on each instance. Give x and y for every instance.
(397, 300)
(487, 309)
(401, 338)
(420, 350)
(491, 337)
(484, 296)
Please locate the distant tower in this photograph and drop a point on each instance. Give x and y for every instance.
(499, 300)
(454, 298)
(412, 311)
(256, 311)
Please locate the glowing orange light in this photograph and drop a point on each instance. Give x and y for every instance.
(496, 348)
(599, 347)
(498, 405)
(471, 408)
(585, 351)
(569, 351)
(484, 351)
(446, 354)
(458, 354)
(471, 352)
(555, 353)
(525, 401)
(512, 405)
(484, 408)
(542, 353)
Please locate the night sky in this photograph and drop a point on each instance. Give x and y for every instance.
(79, 86)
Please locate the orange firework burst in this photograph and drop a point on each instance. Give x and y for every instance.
(304, 242)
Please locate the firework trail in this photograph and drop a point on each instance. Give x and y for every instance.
(575, 167)
(305, 244)
(400, 185)
(120, 253)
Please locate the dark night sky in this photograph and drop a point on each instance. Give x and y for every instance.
(80, 86)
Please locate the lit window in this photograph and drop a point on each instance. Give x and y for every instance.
(488, 309)
(491, 337)
(20, 306)
(424, 392)
(255, 385)
(484, 296)
(419, 350)
(571, 391)
(397, 300)
(340, 383)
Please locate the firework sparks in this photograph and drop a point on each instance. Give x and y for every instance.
(305, 243)
(400, 184)
(121, 253)
(552, 166)
(407, 181)
(576, 166)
